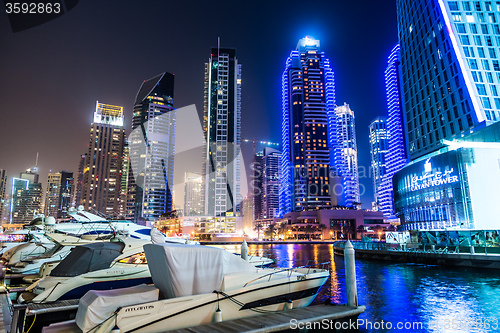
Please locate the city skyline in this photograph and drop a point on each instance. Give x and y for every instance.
(83, 74)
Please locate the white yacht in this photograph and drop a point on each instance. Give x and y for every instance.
(100, 266)
(96, 266)
(199, 285)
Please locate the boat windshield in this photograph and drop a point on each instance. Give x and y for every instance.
(88, 258)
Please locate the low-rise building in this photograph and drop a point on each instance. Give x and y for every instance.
(337, 223)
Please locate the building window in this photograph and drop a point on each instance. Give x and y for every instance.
(480, 52)
(481, 89)
(473, 63)
(486, 66)
(486, 103)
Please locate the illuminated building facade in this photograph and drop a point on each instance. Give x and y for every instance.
(3, 188)
(125, 179)
(266, 184)
(378, 151)
(450, 81)
(101, 178)
(396, 157)
(346, 130)
(26, 197)
(192, 194)
(58, 193)
(248, 213)
(450, 69)
(152, 144)
(311, 153)
(454, 187)
(221, 150)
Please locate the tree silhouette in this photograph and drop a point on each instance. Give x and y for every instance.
(282, 229)
(361, 230)
(270, 230)
(258, 227)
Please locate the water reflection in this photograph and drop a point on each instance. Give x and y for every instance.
(398, 292)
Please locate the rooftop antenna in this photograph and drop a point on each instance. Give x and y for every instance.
(36, 163)
(218, 47)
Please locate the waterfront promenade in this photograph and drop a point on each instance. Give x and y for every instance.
(455, 256)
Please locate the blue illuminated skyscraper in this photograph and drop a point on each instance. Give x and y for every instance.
(396, 156)
(312, 161)
(450, 69)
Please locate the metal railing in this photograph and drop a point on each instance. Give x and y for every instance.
(414, 247)
(289, 271)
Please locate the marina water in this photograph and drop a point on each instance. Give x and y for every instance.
(403, 292)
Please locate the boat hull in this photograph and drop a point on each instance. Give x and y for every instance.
(200, 309)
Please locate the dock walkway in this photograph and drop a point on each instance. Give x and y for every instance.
(274, 322)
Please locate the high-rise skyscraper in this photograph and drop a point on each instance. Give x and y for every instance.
(152, 144)
(101, 174)
(450, 69)
(266, 183)
(450, 79)
(52, 194)
(378, 150)
(248, 213)
(77, 188)
(26, 197)
(396, 157)
(125, 178)
(221, 150)
(3, 188)
(311, 151)
(58, 193)
(192, 194)
(346, 129)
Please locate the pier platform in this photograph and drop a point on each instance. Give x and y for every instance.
(272, 322)
(275, 322)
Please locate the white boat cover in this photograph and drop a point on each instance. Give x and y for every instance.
(98, 305)
(157, 237)
(184, 270)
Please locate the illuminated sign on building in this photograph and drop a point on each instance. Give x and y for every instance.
(430, 179)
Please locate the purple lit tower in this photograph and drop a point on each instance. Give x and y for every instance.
(396, 155)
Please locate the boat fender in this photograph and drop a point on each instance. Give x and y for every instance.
(288, 305)
(218, 316)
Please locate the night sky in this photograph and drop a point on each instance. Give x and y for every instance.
(52, 75)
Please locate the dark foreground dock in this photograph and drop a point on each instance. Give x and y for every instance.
(281, 321)
(21, 318)
(324, 315)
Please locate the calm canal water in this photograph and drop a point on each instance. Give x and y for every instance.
(407, 293)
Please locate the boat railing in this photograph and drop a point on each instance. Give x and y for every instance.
(290, 271)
